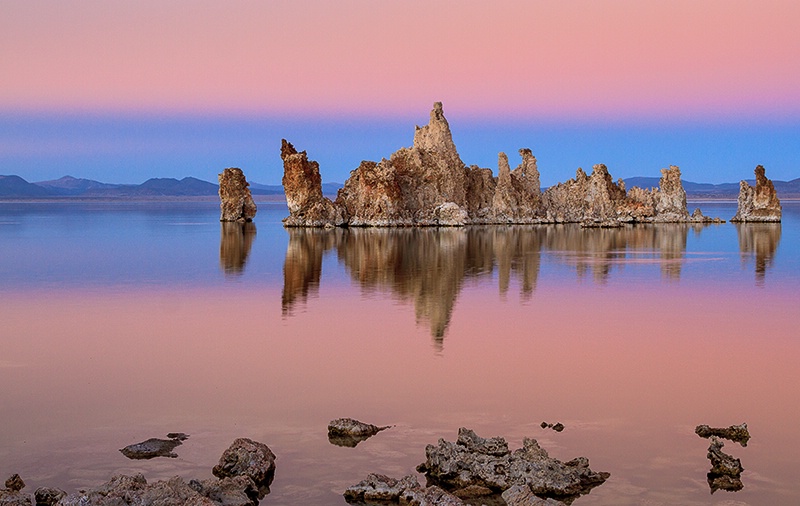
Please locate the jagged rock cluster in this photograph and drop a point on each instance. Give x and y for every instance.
(759, 203)
(244, 473)
(429, 185)
(236, 202)
(726, 470)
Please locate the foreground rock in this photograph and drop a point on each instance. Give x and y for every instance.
(474, 466)
(381, 489)
(245, 471)
(726, 470)
(429, 185)
(236, 202)
(349, 432)
(249, 458)
(155, 447)
(759, 203)
(736, 433)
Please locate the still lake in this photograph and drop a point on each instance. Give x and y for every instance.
(123, 321)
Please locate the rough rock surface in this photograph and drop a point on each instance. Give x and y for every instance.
(236, 202)
(473, 461)
(429, 185)
(520, 495)
(121, 490)
(407, 491)
(155, 447)
(759, 203)
(726, 470)
(246, 457)
(47, 496)
(736, 433)
(349, 432)
(558, 426)
(14, 483)
(303, 186)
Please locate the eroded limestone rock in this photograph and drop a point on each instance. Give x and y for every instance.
(473, 461)
(726, 470)
(14, 483)
(558, 426)
(349, 432)
(759, 203)
(236, 202)
(381, 489)
(736, 433)
(155, 447)
(246, 457)
(302, 184)
(47, 496)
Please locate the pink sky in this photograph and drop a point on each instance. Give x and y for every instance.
(572, 59)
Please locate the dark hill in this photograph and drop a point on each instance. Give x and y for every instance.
(15, 186)
(69, 185)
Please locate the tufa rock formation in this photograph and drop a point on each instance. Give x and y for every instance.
(726, 470)
(236, 202)
(349, 432)
(473, 466)
(155, 447)
(736, 433)
(759, 204)
(429, 185)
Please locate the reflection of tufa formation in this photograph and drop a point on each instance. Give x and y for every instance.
(429, 185)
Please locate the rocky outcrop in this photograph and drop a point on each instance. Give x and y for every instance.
(378, 488)
(759, 203)
(481, 465)
(303, 186)
(558, 426)
(736, 433)
(349, 432)
(726, 470)
(155, 447)
(248, 458)
(236, 202)
(429, 185)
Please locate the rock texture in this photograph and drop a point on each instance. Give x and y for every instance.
(429, 185)
(349, 432)
(303, 186)
(726, 470)
(236, 202)
(248, 458)
(736, 433)
(155, 447)
(377, 488)
(759, 203)
(473, 462)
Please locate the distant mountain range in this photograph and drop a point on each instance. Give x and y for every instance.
(16, 187)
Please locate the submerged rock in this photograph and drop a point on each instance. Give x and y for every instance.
(736, 433)
(349, 432)
(381, 489)
(759, 203)
(726, 470)
(155, 447)
(558, 426)
(236, 202)
(475, 462)
(246, 457)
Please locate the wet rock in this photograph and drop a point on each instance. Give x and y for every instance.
(699, 217)
(155, 447)
(726, 470)
(349, 432)
(14, 498)
(558, 426)
(736, 433)
(759, 203)
(46, 496)
(671, 197)
(14, 483)
(430, 496)
(521, 495)
(236, 202)
(175, 491)
(475, 461)
(379, 487)
(302, 184)
(246, 457)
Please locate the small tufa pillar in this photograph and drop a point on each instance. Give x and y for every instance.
(236, 202)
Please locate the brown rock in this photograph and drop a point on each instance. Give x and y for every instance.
(726, 470)
(246, 457)
(759, 203)
(302, 184)
(349, 432)
(670, 199)
(14, 483)
(46, 496)
(236, 202)
(736, 433)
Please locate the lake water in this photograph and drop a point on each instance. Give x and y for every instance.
(126, 321)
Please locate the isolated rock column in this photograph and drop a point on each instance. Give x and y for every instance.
(759, 203)
(236, 202)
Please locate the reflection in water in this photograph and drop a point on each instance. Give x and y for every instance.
(428, 266)
(235, 242)
(761, 240)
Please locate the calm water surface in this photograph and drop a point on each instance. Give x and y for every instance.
(125, 321)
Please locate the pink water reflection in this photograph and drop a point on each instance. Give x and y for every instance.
(630, 372)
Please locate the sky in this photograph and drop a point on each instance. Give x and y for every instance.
(121, 91)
